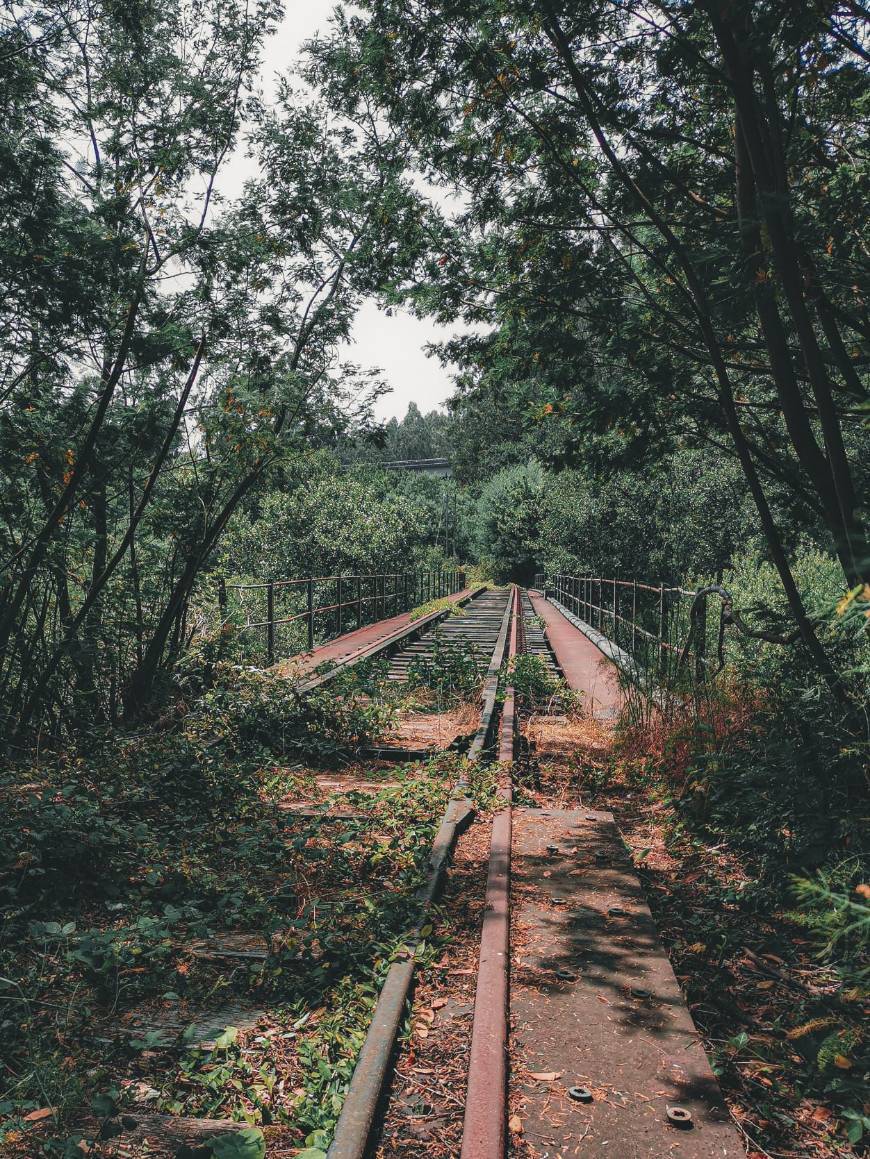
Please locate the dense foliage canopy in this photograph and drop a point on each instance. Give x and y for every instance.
(663, 229)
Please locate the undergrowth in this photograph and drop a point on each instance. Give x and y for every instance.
(119, 858)
(444, 604)
(450, 669)
(537, 688)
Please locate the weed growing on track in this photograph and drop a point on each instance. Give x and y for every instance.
(536, 687)
(444, 604)
(451, 669)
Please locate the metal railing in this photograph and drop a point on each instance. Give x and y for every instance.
(666, 630)
(297, 614)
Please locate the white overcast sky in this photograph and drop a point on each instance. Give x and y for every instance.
(393, 344)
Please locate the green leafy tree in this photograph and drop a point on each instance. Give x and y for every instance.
(164, 357)
(660, 228)
(509, 516)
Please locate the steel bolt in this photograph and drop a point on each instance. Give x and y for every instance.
(580, 1094)
(679, 1116)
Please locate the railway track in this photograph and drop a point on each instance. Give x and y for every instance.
(681, 1110)
(534, 1011)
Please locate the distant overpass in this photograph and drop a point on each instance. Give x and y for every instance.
(440, 467)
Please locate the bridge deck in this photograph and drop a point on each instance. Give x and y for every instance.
(605, 1053)
(596, 1005)
(342, 647)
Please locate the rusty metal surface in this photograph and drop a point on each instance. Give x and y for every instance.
(582, 665)
(484, 1126)
(483, 1135)
(490, 687)
(594, 1000)
(507, 735)
(357, 1115)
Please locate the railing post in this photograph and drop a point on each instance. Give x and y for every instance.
(310, 603)
(601, 626)
(270, 624)
(663, 656)
(222, 599)
(615, 612)
(339, 611)
(701, 643)
(634, 618)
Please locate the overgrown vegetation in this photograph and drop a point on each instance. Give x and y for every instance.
(536, 688)
(657, 257)
(450, 668)
(125, 862)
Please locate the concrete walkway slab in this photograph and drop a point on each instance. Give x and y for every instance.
(583, 666)
(594, 1000)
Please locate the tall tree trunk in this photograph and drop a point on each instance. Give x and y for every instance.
(763, 146)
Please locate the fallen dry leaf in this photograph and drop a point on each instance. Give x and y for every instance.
(515, 1125)
(546, 1076)
(43, 1113)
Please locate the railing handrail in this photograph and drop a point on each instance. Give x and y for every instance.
(280, 583)
(408, 589)
(578, 594)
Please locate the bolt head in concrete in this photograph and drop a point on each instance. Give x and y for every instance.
(580, 1094)
(679, 1117)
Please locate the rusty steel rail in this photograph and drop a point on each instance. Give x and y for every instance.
(490, 687)
(357, 1115)
(355, 1122)
(484, 1131)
